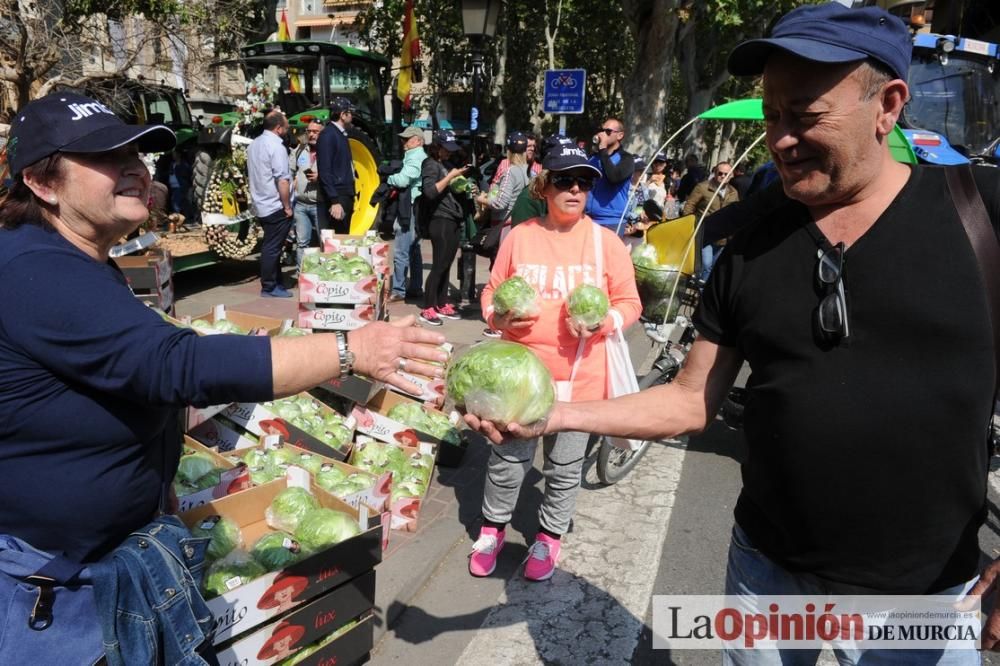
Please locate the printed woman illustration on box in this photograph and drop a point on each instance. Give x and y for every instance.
(283, 593)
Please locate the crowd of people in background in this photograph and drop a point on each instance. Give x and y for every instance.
(632, 193)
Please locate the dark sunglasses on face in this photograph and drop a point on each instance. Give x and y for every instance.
(607, 130)
(831, 313)
(564, 182)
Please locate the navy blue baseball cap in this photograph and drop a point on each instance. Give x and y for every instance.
(517, 142)
(564, 158)
(554, 141)
(339, 105)
(830, 33)
(447, 140)
(65, 122)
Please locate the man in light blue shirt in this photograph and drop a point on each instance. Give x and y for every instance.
(270, 186)
(406, 252)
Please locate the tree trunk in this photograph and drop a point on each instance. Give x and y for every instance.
(653, 24)
(496, 89)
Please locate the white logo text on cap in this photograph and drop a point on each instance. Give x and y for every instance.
(89, 109)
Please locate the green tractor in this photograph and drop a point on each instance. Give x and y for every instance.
(301, 77)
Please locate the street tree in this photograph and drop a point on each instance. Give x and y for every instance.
(706, 33)
(653, 26)
(50, 43)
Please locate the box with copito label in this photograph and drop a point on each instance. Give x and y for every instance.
(244, 607)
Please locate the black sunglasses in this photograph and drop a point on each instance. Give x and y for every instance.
(831, 313)
(608, 130)
(565, 182)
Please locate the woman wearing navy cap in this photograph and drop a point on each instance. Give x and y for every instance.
(91, 380)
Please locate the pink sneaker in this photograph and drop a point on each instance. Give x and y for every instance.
(485, 551)
(448, 311)
(542, 557)
(429, 316)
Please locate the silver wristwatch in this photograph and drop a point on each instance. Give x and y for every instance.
(346, 355)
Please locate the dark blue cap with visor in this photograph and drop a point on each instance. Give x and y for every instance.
(65, 122)
(830, 33)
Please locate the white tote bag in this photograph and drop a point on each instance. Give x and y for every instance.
(621, 374)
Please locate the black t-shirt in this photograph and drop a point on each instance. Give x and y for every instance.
(867, 461)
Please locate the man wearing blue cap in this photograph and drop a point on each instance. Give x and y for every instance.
(867, 437)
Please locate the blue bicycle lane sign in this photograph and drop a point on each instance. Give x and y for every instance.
(565, 91)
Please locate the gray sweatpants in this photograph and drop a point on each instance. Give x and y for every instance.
(563, 462)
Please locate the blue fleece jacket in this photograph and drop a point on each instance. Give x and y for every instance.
(90, 383)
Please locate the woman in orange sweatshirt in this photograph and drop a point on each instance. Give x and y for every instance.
(554, 253)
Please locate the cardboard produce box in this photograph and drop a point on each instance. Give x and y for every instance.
(195, 416)
(379, 253)
(404, 511)
(220, 433)
(260, 420)
(234, 477)
(247, 606)
(282, 638)
(148, 271)
(375, 497)
(372, 419)
(354, 388)
(314, 287)
(253, 324)
(346, 646)
(336, 318)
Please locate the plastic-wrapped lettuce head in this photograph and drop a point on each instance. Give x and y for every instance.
(310, 462)
(501, 381)
(276, 550)
(645, 255)
(409, 413)
(288, 508)
(232, 571)
(587, 305)
(255, 458)
(329, 476)
(210, 480)
(225, 536)
(193, 466)
(321, 528)
(516, 296)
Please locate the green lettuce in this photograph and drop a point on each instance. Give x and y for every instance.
(321, 528)
(276, 550)
(516, 296)
(289, 507)
(231, 572)
(501, 381)
(587, 305)
(225, 536)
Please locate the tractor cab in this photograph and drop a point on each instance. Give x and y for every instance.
(305, 76)
(954, 107)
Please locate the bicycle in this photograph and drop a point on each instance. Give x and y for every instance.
(671, 343)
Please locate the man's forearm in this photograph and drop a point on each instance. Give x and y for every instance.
(284, 190)
(661, 412)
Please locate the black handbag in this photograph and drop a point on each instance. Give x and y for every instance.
(486, 242)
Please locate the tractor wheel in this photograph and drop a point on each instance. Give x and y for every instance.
(365, 154)
(201, 173)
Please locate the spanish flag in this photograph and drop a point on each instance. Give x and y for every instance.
(284, 35)
(410, 55)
